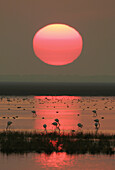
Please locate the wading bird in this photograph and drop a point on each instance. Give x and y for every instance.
(45, 126)
(34, 113)
(96, 120)
(72, 131)
(57, 120)
(94, 113)
(79, 125)
(54, 123)
(97, 125)
(8, 124)
(57, 124)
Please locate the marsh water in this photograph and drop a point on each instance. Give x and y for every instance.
(56, 161)
(30, 113)
(70, 110)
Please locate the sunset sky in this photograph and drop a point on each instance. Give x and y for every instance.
(21, 19)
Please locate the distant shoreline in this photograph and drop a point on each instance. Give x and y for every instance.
(70, 89)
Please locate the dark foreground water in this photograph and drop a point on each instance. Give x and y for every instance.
(56, 161)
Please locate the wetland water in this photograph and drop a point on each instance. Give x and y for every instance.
(70, 110)
(56, 161)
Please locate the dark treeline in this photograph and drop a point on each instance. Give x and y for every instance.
(76, 89)
(74, 143)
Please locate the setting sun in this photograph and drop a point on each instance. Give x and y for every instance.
(57, 44)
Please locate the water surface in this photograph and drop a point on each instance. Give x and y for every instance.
(56, 161)
(70, 110)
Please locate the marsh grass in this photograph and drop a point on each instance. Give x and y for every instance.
(77, 143)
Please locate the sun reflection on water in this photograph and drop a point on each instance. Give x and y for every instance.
(64, 108)
(54, 160)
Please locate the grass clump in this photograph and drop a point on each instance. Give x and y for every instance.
(78, 143)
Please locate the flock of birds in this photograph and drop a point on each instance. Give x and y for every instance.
(80, 125)
(56, 122)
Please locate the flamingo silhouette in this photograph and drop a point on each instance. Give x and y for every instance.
(95, 113)
(97, 125)
(45, 126)
(34, 113)
(8, 125)
(79, 125)
(57, 124)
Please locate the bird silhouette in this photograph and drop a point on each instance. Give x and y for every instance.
(79, 125)
(54, 123)
(94, 113)
(8, 124)
(96, 120)
(34, 113)
(57, 120)
(97, 125)
(45, 126)
(72, 131)
(57, 124)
